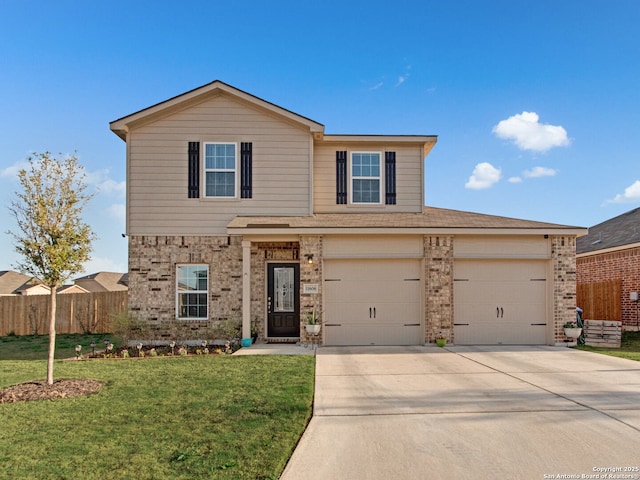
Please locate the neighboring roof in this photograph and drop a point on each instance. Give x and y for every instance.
(15, 283)
(431, 220)
(615, 232)
(121, 125)
(72, 289)
(103, 282)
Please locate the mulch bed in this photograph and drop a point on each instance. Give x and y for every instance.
(65, 388)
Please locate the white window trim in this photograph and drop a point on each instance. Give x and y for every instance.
(179, 292)
(235, 170)
(380, 178)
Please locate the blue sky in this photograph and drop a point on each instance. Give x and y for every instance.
(536, 104)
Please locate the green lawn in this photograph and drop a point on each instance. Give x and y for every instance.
(629, 347)
(36, 347)
(192, 417)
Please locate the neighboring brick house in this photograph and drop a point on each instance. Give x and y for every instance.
(611, 252)
(237, 207)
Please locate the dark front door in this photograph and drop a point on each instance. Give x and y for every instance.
(283, 300)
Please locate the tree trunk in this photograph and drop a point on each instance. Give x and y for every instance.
(52, 336)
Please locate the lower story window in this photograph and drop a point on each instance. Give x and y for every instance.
(192, 292)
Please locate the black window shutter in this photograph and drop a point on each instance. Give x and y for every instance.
(246, 149)
(194, 170)
(390, 177)
(341, 177)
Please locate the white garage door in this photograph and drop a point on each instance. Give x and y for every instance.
(373, 302)
(500, 302)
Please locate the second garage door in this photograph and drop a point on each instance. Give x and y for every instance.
(373, 302)
(500, 302)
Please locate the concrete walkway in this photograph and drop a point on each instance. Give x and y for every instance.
(470, 413)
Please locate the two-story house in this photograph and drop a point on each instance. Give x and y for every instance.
(237, 207)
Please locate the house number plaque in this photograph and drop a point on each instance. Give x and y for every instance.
(310, 288)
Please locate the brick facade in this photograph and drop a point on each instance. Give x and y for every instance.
(563, 255)
(621, 265)
(438, 266)
(152, 275)
(152, 279)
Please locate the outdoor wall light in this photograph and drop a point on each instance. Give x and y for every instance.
(309, 258)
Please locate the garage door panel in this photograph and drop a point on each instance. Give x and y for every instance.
(371, 290)
(373, 302)
(500, 302)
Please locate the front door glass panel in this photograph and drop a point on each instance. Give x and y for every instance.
(284, 287)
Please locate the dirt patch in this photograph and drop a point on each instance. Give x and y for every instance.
(65, 388)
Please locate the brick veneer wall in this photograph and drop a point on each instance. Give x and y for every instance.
(311, 273)
(619, 265)
(438, 264)
(261, 254)
(563, 255)
(152, 276)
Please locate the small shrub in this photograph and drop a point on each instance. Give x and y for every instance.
(129, 328)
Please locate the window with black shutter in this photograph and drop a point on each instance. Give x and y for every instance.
(390, 177)
(193, 158)
(246, 153)
(341, 177)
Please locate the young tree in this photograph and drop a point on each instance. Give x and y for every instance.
(52, 239)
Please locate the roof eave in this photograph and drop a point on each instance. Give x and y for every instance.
(427, 141)
(319, 230)
(121, 126)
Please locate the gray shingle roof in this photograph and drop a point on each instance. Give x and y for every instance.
(615, 232)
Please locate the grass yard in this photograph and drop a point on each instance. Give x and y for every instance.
(36, 347)
(629, 347)
(192, 417)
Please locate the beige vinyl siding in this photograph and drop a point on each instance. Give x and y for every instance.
(409, 171)
(474, 246)
(157, 170)
(379, 246)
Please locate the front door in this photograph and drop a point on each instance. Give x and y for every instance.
(283, 300)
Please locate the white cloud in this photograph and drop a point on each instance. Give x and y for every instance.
(631, 194)
(515, 180)
(527, 133)
(537, 172)
(117, 211)
(402, 79)
(104, 184)
(12, 171)
(102, 264)
(377, 86)
(484, 175)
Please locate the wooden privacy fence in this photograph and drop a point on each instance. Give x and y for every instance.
(75, 312)
(601, 300)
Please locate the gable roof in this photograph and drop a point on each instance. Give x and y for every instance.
(615, 232)
(430, 220)
(103, 282)
(15, 283)
(121, 126)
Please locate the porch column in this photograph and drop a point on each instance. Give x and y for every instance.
(246, 289)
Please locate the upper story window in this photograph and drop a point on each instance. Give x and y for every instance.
(192, 292)
(220, 170)
(366, 177)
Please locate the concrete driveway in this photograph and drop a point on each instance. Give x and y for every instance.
(470, 413)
